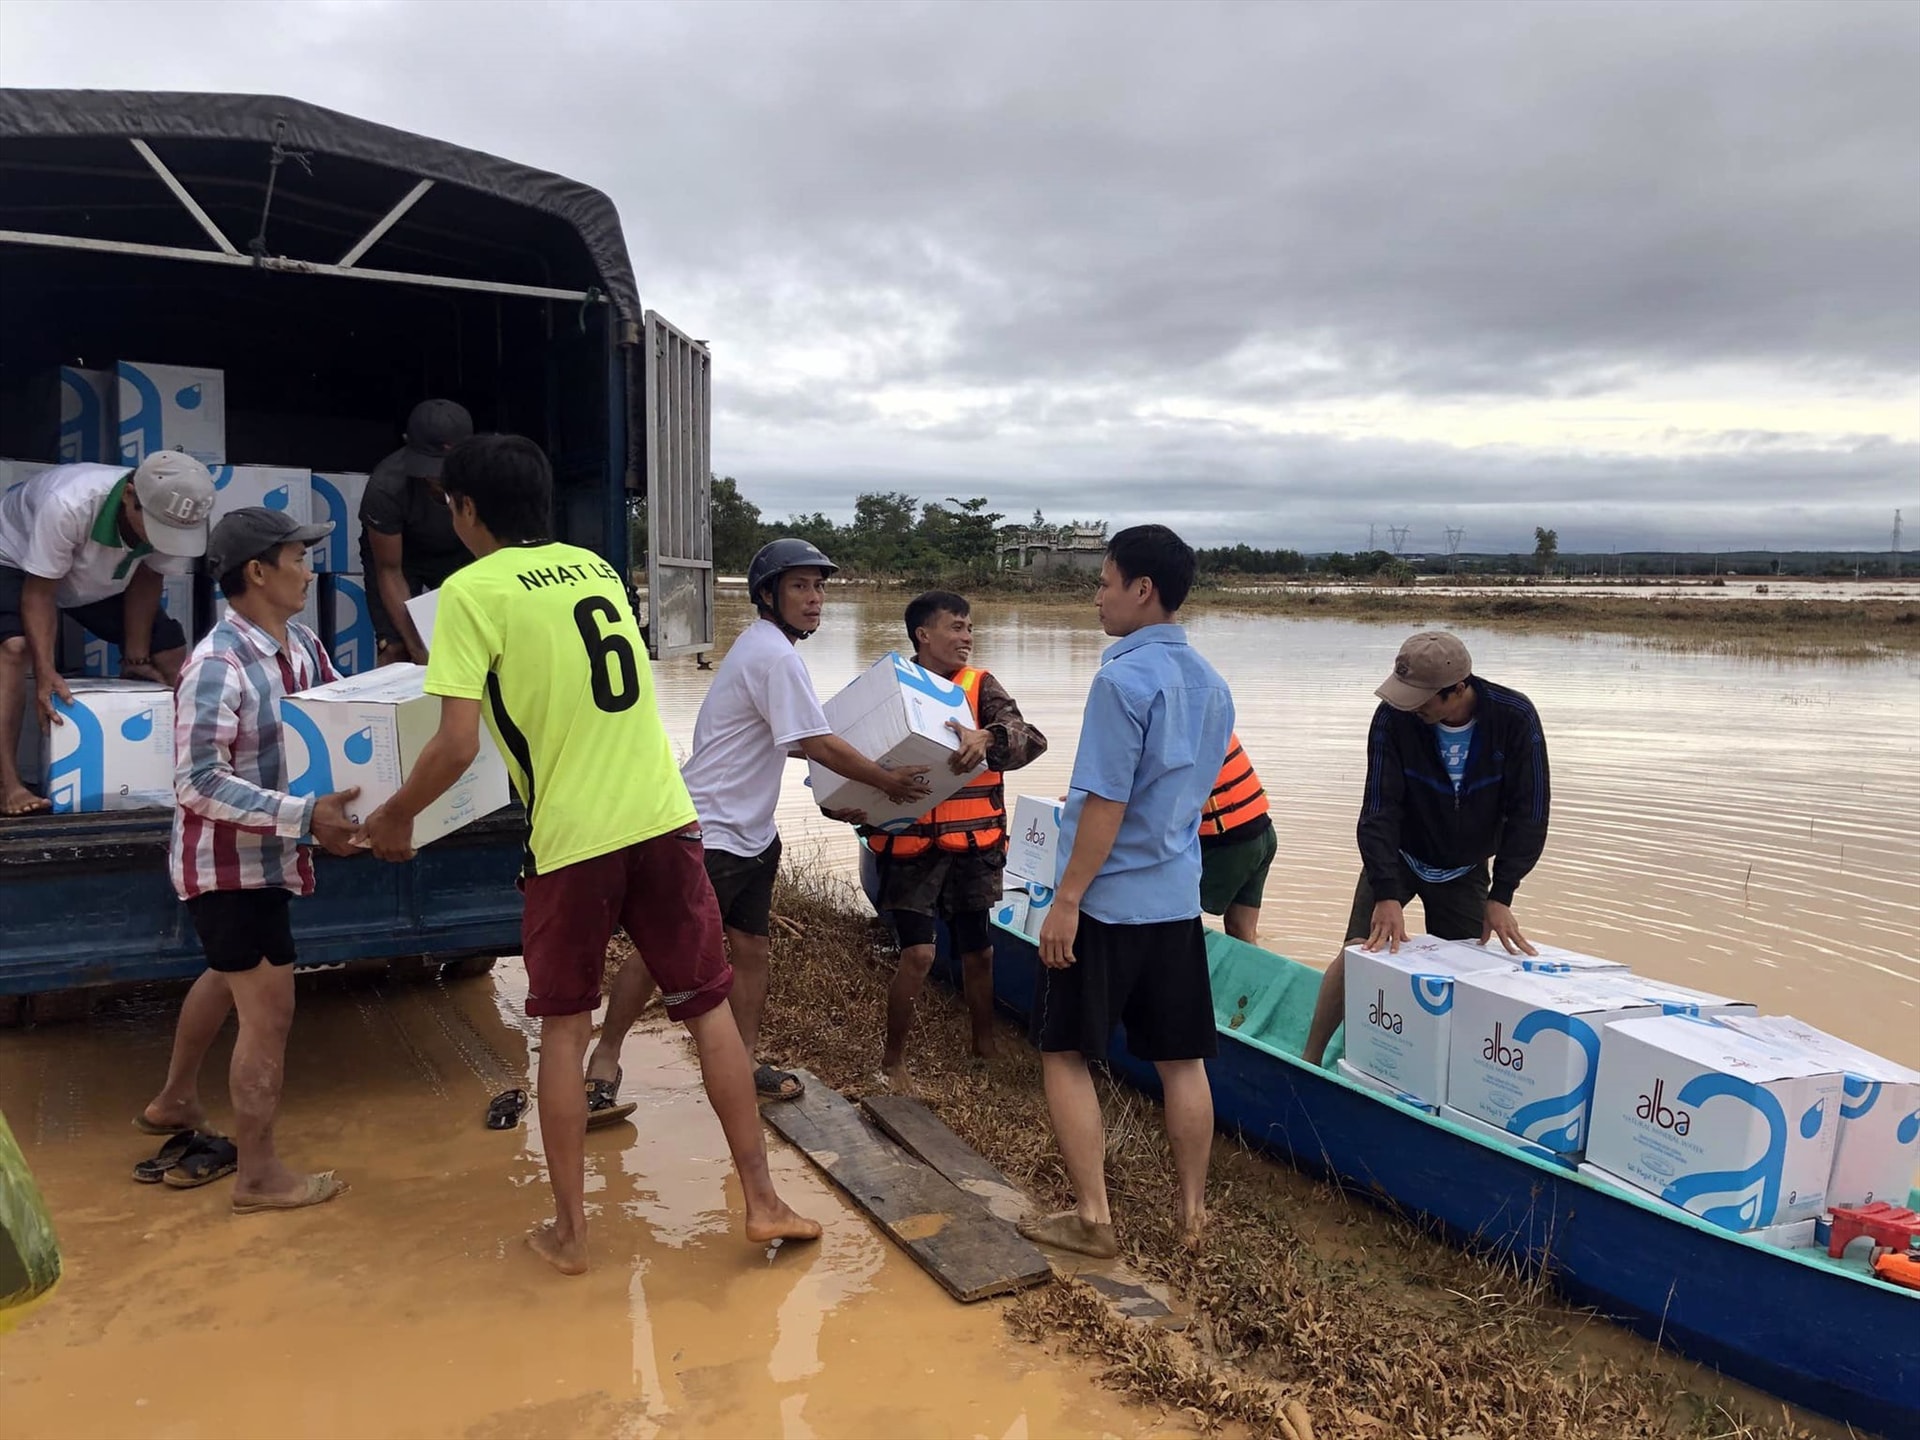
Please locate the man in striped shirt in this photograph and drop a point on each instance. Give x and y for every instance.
(237, 854)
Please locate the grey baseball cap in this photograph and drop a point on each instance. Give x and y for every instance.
(248, 533)
(433, 429)
(176, 497)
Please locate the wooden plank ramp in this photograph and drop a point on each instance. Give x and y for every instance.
(949, 1233)
(926, 1137)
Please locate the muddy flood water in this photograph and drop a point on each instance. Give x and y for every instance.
(409, 1307)
(1742, 826)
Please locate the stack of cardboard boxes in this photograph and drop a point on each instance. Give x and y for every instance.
(1033, 865)
(115, 749)
(1751, 1123)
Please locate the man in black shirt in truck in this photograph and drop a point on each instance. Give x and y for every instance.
(406, 536)
(1456, 776)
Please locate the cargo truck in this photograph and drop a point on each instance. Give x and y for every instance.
(333, 272)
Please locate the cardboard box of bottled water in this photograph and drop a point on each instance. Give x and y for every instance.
(1555, 960)
(100, 659)
(1876, 1155)
(1380, 1087)
(1011, 912)
(87, 432)
(346, 620)
(1506, 1137)
(1526, 1050)
(113, 749)
(1399, 1010)
(1033, 842)
(1023, 908)
(274, 487)
(1736, 1130)
(170, 407)
(368, 731)
(1681, 999)
(896, 714)
(336, 500)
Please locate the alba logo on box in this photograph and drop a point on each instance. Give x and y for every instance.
(1653, 1109)
(1035, 835)
(1512, 1057)
(1378, 1014)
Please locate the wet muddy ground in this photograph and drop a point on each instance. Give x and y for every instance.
(410, 1306)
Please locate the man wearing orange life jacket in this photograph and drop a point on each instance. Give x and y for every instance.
(1237, 846)
(952, 860)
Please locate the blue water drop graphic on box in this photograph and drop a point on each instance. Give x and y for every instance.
(359, 746)
(1909, 1130)
(1810, 1122)
(279, 498)
(138, 727)
(189, 398)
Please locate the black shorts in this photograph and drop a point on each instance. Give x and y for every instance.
(240, 928)
(744, 887)
(103, 619)
(1453, 909)
(970, 929)
(1151, 977)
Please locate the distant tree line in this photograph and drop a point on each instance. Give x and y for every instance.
(897, 535)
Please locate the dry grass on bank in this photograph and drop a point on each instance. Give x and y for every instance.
(1768, 629)
(1303, 1294)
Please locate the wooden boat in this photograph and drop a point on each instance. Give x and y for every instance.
(1817, 1332)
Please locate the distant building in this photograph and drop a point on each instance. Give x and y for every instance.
(1053, 548)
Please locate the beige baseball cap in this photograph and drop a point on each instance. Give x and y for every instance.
(1427, 664)
(176, 496)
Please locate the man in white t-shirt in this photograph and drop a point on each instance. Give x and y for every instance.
(93, 542)
(760, 712)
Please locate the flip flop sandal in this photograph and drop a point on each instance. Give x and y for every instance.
(317, 1191)
(208, 1158)
(772, 1084)
(604, 1106)
(507, 1108)
(150, 1172)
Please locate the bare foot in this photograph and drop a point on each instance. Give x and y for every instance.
(899, 1081)
(22, 801)
(1067, 1231)
(1193, 1232)
(780, 1223)
(160, 1117)
(987, 1050)
(569, 1257)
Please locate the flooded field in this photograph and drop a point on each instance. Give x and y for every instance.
(409, 1307)
(1743, 826)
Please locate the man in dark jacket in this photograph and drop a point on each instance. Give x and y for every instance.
(1456, 775)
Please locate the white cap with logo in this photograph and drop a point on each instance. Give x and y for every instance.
(176, 497)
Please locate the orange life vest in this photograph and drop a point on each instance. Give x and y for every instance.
(1237, 797)
(971, 821)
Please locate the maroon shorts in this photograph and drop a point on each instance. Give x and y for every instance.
(659, 892)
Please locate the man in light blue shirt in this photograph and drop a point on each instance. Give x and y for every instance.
(1123, 940)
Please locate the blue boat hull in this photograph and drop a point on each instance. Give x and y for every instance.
(1846, 1346)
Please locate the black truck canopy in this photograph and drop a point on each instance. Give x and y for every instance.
(338, 271)
(68, 164)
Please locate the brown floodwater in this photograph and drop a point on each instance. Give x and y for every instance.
(1749, 827)
(410, 1307)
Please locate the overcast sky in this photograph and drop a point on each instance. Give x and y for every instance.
(1649, 274)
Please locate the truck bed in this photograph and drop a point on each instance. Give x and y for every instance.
(85, 900)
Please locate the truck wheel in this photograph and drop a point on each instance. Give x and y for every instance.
(468, 967)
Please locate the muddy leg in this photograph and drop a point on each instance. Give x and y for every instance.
(633, 987)
(909, 978)
(976, 978)
(728, 1076)
(1328, 1009)
(202, 1013)
(563, 1130)
(264, 998)
(1074, 1107)
(1189, 1111)
(750, 955)
(15, 701)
